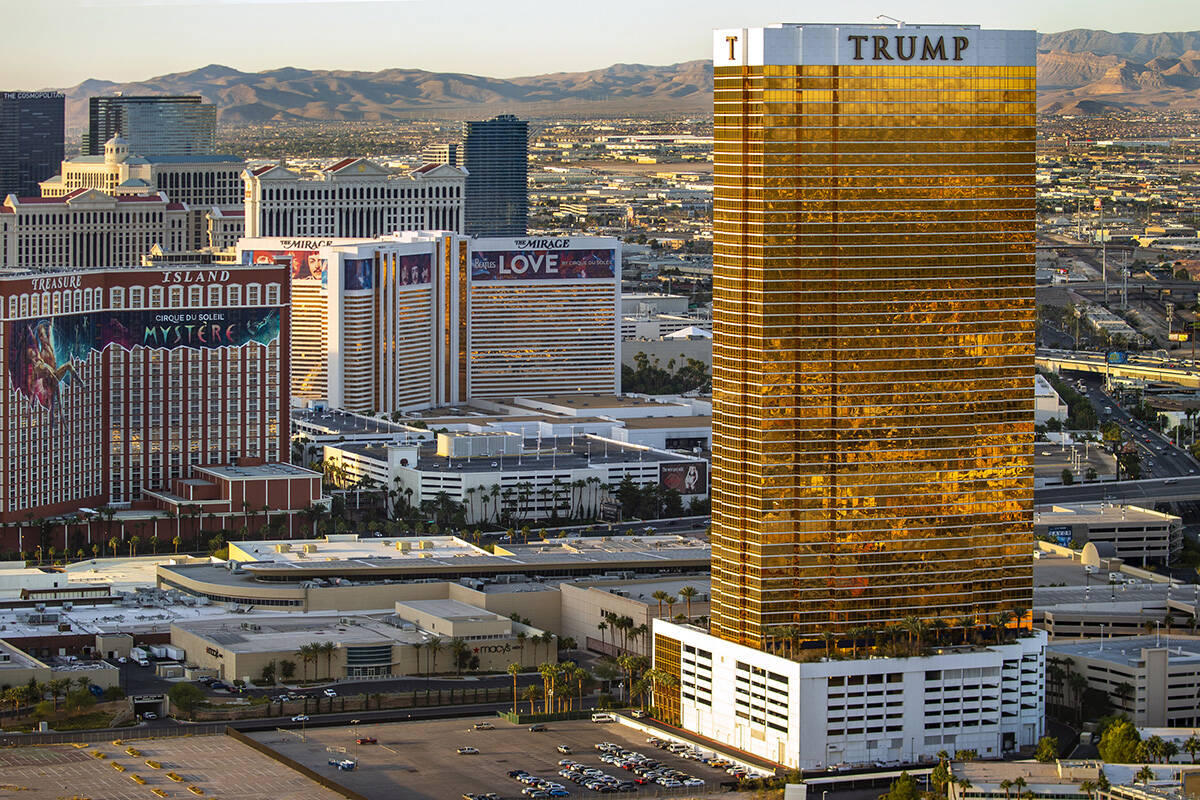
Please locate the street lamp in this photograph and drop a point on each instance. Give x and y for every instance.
(354, 722)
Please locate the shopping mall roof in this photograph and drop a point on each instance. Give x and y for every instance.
(269, 634)
(377, 560)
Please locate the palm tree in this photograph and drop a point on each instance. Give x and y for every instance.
(459, 648)
(307, 654)
(1006, 785)
(1191, 746)
(514, 670)
(660, 596)
(670, 601)
(1087, 787)
(829, 638)
(327, 649)
(602, 627)
(1144, 775)
(531, 694)
(417, 650)
(134, 541)
(434, 646)
(549, 672)
(687, 593)
(963, 785)
(57, 688)
(521, 638)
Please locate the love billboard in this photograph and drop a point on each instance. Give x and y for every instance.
(542, 264)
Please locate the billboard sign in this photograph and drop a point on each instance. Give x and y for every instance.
(414, 269)
(358, 274)
(1117, 357)
(547, 262)
(1177, 337)
(687, 477)
(1060, 535)
(45, 355)
(305, 264)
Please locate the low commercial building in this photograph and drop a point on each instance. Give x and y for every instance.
(18, 668)
(364, 646)
(1059, 780)
(499, 475)
(1153, 679)
(1047, 405)
(1137, 535)
(348, 572)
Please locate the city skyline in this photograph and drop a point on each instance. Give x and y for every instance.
(537, 46)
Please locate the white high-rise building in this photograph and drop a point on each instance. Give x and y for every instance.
(352, 198)
(418, 319)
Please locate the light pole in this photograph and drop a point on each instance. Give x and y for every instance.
(354, 722)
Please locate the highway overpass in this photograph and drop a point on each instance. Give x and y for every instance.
(1145, 368)
(1145, 492)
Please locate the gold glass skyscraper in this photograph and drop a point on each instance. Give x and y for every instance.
(874, 324)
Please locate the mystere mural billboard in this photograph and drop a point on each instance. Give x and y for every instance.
(45, 355)
(541, 260)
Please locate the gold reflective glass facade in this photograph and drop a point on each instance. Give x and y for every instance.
(874, 323)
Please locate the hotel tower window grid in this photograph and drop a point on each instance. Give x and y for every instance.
(873, 345)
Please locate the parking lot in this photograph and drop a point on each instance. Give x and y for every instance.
(418, 760)
(217, 766)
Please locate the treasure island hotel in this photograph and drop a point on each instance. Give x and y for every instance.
(873, 372)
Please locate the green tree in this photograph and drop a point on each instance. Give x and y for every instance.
(1119, 743)
(1047, 749)
(1144, 775)
(287, 669)
(80, 699)
(185, 697)
(903, 788)
(1068, 477)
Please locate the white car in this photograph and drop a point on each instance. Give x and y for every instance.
(300, 718)
(330, 693)
(149, 715)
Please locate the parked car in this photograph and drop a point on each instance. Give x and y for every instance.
(564, 749)
(483, 726)
(468, 751)
(538, 728)
(366, 740)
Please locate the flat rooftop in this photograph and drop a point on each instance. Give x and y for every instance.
(1127, 650)
(552, 452)
(351, 546)
(374, 561)
(275, 470)
(1095, 513)
(335, 422)
(583, 400)
(649, 423)
(268, 634)
(982, 773)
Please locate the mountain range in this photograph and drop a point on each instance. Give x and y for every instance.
(1079, 71)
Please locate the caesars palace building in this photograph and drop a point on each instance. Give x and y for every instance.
(420, 319)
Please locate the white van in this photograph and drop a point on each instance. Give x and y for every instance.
(604, 717)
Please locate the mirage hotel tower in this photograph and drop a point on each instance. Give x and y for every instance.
(873, 373)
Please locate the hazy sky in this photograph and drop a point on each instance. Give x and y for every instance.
(58, 43)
